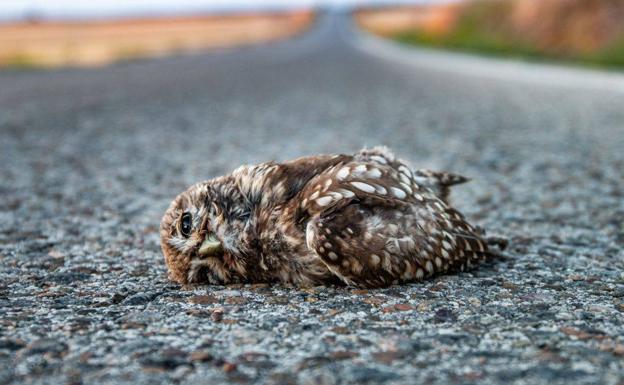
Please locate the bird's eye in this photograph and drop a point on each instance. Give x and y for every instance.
(186, 225)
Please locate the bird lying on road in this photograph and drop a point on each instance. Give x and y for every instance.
(365, 219)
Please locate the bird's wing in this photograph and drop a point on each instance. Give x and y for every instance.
(373, 225)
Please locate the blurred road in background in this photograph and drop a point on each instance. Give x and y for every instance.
(91, 159)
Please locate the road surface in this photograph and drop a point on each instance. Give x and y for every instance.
(92, 157)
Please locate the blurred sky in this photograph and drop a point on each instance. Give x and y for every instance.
(17, 9)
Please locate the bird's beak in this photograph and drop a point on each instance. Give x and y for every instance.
(211, 247)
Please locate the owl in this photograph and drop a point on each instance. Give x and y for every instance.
(365, 220)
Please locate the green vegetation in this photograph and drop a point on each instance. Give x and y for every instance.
(612, 56)
(20, 62)
(471, 42)
(485, 27)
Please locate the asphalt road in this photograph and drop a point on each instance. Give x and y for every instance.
(91, 158)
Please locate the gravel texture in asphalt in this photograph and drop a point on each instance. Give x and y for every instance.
(91, 159)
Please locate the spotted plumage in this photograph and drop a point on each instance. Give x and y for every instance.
(365, 220)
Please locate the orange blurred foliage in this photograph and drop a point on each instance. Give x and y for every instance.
(390, 21)
(560, 27)
(580, 26)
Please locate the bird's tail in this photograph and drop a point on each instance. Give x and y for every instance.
(439, 182)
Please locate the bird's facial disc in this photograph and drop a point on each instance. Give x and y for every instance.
(193, 228)
(199, 242)
(188, 238)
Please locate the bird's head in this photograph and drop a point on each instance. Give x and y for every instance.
(203, 232)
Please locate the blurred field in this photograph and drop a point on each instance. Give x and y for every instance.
(587, 31)
(54, 44)
(395, 20)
